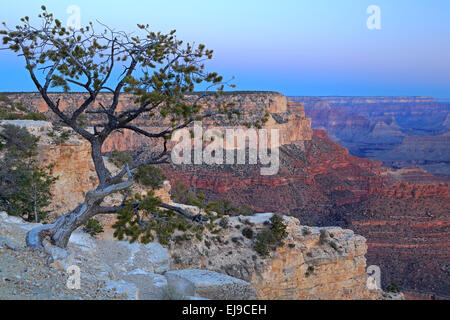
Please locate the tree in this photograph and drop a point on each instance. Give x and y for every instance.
(24, 187)
(157, 69)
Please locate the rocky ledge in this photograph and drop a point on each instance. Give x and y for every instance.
(108, 270)
(314, 263)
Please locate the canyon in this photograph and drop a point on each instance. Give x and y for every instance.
(403, 213)
(399, 131)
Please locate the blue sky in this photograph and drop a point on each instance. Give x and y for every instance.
(315, 47)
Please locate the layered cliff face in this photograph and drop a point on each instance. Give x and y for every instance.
(307, 266)
(403, 214)
(289, 117)
(72, 165)
(400, 131)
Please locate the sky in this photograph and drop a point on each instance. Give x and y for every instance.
(296, 47)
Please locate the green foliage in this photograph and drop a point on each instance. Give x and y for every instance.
(272, 238)
(93, 227)
(264, 243)
(120, 158)
(278, 228)
(18, 141)
(35, 116)
(24, 187)
(10, 110)
(180, 193)
(150, 176)
(143, 220)
(309, 271)
(222, 207)
(248, 233)
(8, 115)
(82, 120)
(58, 134)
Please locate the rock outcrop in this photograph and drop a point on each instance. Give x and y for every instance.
(204, 283)
(313, 263)
(307, 266)
(73, 165)
(286, 116)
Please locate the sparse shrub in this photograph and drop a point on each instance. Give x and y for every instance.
(150, 176)
(271, 239)
(278, 228)
(120, 158)
(93, 227)
(82, 120)
(35, 116)
(309, 271)
(58, 134)
(8, 115)
(264, 243)
(224, 222)
(24, 187)
(245, 211)
(248, 233)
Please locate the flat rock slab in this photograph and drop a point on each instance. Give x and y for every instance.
(124, 256)
(209, 284)
(151, 286)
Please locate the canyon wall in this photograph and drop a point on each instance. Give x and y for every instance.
(72, 165)
(404, 214)
(313, 263)
(399, 131)
(286, 116)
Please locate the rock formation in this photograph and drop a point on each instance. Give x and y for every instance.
(403, 214)
(308, 266)
(108, 269)
(400, 131)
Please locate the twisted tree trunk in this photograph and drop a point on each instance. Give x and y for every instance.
(59, 232)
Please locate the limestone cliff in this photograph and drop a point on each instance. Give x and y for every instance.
(306, 267)
(403, 214)
(289, 117)
(73, 165)
(313, 263)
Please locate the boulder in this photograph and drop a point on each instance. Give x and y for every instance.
(209, 284)
(151, 286)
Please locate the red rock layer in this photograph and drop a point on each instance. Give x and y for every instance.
(407, 225)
